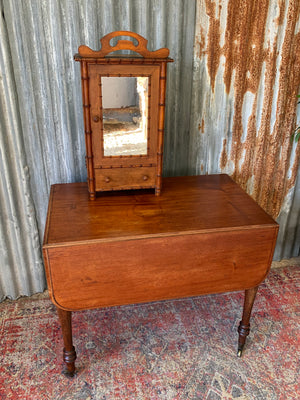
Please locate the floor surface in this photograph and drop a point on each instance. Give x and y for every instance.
(179, 349)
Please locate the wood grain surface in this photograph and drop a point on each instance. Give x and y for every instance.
(187, 205)
(202, 235)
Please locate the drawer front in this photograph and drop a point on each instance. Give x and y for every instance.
(125, 178)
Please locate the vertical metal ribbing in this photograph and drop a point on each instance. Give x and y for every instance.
(161, 123)
(88, 130)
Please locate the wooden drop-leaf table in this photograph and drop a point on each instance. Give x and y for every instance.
(202, 235)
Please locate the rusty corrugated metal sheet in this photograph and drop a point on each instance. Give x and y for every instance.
(231, 101)
(288, 241)
(246, 79)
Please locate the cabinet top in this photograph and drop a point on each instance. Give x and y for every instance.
(187, 205)
(139, 47)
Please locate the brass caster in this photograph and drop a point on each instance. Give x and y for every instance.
(69, 374)
(240, 351)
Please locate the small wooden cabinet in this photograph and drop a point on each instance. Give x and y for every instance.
(123, 107)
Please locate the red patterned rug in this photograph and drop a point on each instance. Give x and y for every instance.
(182, 349)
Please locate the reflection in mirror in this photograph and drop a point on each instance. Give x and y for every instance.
(125, 115)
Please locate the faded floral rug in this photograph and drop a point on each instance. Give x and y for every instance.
(179, 349)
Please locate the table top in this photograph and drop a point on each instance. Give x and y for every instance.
(187, 205)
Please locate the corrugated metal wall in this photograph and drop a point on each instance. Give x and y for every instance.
(246, 81)
(223, 113)
(42, 135)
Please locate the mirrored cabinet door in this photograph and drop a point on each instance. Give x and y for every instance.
(124, 121)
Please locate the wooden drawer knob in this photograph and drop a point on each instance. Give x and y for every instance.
(96, 118)
(145, 178)
(107, 179)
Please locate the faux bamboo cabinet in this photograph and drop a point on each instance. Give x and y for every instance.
(202, 235)
(105, 114)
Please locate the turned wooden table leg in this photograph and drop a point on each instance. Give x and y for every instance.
(69, 353)
(244, 327)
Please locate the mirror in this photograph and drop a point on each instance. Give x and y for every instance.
(125, 115)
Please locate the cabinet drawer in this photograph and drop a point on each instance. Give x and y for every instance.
(125, 178)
